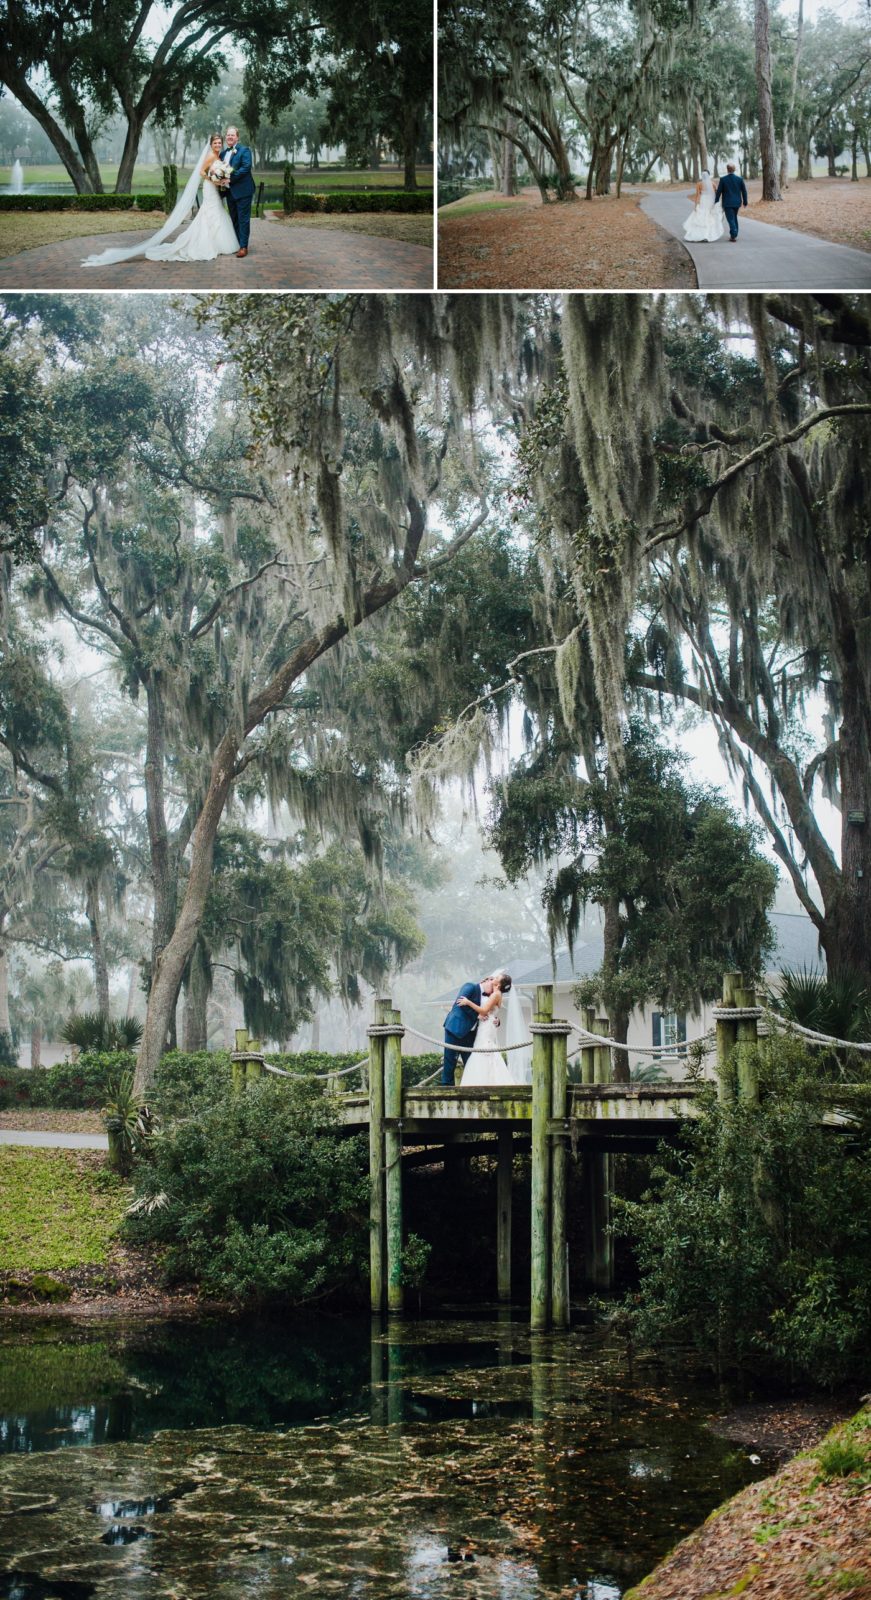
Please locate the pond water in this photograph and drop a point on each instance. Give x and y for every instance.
(278, 1457)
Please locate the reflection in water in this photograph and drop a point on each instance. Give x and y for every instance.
(238, 1458)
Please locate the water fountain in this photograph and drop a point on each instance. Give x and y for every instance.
(17, 184)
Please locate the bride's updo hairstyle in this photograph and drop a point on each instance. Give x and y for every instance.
(504, 981)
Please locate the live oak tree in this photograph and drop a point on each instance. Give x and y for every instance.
(682, 886)
(73, 63)
(708, 504)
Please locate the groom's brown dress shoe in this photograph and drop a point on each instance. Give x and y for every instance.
(243, 252)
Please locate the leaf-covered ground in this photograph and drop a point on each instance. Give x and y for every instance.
(44, 1120)
(486, 242)
(803, 1533)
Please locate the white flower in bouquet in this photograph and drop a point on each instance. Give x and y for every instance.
(220, 172)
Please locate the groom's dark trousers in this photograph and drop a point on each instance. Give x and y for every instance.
(240, 193)
(461, 1025)
(732, 190)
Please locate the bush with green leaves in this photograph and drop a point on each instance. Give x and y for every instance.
(257, 1196)
(68, 1086)
(94, 1030)
(754, 1238)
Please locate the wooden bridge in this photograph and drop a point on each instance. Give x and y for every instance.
(595, 1119)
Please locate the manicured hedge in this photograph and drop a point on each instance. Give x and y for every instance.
(81, 202)
(182, 1077)
(365, 200)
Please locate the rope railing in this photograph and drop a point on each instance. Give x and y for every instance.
(814, 1035)
(309, 1077)
(684, 1045)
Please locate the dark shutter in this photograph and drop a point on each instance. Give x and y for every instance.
(657, 1029)
(682, 1028)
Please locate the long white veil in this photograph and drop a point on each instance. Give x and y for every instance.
(177, 215)
(707, 194)
(519, 1061)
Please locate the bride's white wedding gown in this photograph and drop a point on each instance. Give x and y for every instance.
(210, 234)
(706, 222)
(484, 1071)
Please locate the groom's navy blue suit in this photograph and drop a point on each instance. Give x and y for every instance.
(241, 191)
(461, 1025)
(733, 191)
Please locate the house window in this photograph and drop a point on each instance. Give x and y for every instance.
(669, 1027)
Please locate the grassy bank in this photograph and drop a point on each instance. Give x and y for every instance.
(804, 1532)
(27, 230)
(59, 1209)
(149, 177)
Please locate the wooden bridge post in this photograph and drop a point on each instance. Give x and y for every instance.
(238, 1067)
(559, 1267)
(541, 1104)
(254, 1067)
(376, 1160)
(597, 1179)
(393, 1159)
(504, 1176)
(747, 1032)
(588, 1051)
(727, 1034)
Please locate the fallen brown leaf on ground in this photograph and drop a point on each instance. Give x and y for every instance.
(521, 244)
(791, 1536)
(45, 1121)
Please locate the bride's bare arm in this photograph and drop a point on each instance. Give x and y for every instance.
(490, 1004)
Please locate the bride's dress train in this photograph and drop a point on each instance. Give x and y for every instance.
(485, 1071)
(210, 234)
(706, 222)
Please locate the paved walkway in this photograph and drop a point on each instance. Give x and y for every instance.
(54, 1141)
(765, 257)
(283, 256)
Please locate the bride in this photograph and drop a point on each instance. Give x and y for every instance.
(210, 234)
(705, 223)
(489, 1069)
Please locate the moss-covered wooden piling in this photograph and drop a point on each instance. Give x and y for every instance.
(504, 1177)
(393, 1159)
(559, 1266)
(539, 1312)
(376, 1159)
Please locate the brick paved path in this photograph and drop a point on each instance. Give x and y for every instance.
(282, 257)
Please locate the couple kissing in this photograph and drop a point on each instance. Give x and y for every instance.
(472, 1035)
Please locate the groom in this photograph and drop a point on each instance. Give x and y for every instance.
(461, 1025)
(240, 189)
(733, 191)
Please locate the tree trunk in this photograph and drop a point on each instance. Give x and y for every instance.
(701, 134)
(36, 1046)
(509, 165)
(135, 124)
(164, 863)
(787, 126)
(410, 136)
(54, 133)
(866, 151)
(101, 970)
(805, 164)
(612, 941)
(854, 151)
(5, 1024)
(767, 144)
(603, 166)
(195, 1032)
(831, 159)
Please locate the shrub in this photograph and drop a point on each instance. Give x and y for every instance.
(289, 187)
(449, 192)
(256, 1197)
(754, 1237)
(94, 1030)
(69, 1086)
(170, 187)
(81, 202)
(364, 200)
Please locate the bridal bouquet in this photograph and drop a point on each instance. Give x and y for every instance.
(220, 172)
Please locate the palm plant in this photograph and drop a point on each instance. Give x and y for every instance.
(128, 1124)
(839, 1005)
(94, 1030)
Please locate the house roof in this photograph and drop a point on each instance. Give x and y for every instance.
(796, 945)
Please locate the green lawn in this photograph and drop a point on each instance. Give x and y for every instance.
(57, 1209)
(409, 229)
(25, 230)
(149, 179)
